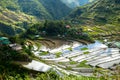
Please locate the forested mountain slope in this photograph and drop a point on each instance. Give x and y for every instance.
(14, 22)
(99, 12)
(17, 14)
(56, 8)
(42, 9)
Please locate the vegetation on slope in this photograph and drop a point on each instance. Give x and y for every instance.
(14, 13)
(10, 70)
(42, 9)
(58, 29)
(12, 23)
(57, 9)
(100, 12)
(35, 8)
(9, 4)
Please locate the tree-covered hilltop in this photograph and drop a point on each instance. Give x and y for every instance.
(100, 12)
(58, 29)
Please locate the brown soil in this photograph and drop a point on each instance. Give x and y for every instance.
(54, 43)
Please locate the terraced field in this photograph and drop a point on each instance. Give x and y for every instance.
(81, 59)
(102, 32)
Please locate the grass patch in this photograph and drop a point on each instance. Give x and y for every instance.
(87, 52)
(83, 64)
(73, 62)
(44, 53)
(72, 77)
(69, 48)
(38, 45)
(58, 54)
(61, 63)
(68, 68)
(84, 48)
(70, 59)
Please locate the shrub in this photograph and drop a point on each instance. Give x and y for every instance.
(58, 54)
(44, 53)
(84, 48)
(73, 62)
(87, 52)
(83, 64)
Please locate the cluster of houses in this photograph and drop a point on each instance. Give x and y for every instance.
(14, 46)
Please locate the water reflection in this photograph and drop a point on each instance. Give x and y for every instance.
(75, 46)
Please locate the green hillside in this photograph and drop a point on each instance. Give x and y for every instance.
(56, 8)
(35, 8)
(14, 22)
(18, 14)
(100, 12)
(42, 9)
(46, 40)
(10, 4)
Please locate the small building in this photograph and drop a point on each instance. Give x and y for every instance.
(4, 41)
(16, 47)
